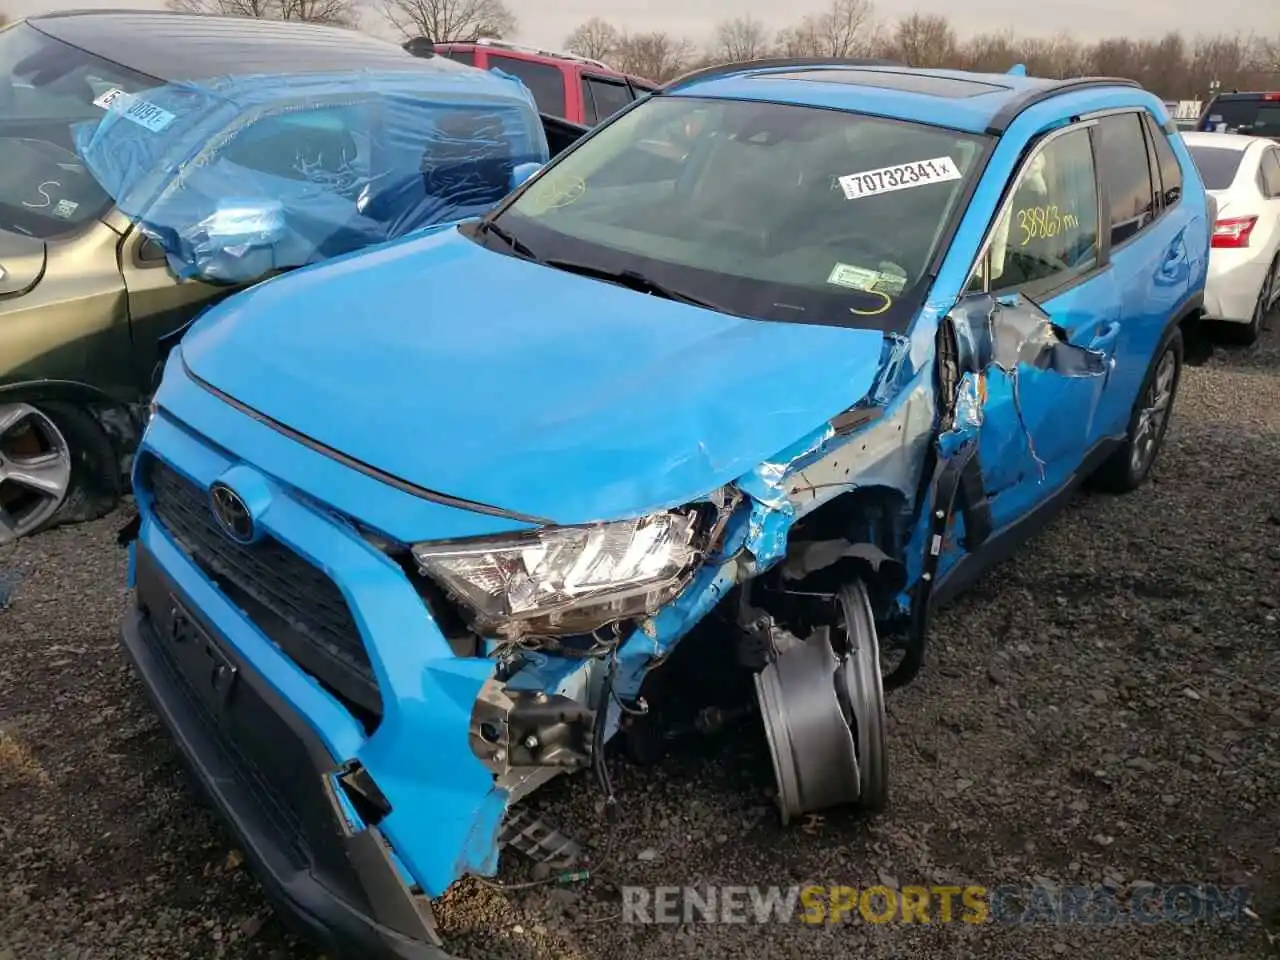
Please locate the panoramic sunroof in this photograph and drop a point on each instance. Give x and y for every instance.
(932, 86)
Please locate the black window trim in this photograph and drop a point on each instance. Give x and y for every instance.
(1044, 288)
(588, 78)
(1155, 129)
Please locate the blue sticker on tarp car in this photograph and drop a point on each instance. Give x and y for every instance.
(237, 177)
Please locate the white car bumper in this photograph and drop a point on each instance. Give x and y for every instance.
(1235, 278)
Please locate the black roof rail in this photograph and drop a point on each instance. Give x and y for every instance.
(1039, 94)
(769, 63)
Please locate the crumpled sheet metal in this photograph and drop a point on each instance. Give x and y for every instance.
(887, 452)
(338, 160)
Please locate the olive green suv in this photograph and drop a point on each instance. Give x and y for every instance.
(155, 163)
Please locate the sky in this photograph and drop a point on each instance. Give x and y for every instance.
(547, 22)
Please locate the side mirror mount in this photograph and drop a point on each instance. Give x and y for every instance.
(522, 172)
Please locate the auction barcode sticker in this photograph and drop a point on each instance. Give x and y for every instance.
(901, 176)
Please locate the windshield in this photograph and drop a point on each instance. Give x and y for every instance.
(46, 88)
(772, 211)
(1217, 165)
(1254, 116)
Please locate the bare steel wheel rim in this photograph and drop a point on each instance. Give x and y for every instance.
(35, 469)
(1155, 411)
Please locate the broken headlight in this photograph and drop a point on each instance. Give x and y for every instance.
(564, 580)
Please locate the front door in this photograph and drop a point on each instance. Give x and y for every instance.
(1041, 320)
(160, 304)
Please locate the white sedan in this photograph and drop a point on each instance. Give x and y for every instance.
(1243, 176)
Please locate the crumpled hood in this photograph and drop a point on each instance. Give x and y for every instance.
(504, 382)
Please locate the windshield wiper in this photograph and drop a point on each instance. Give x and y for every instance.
(506, 236)
(634, 280)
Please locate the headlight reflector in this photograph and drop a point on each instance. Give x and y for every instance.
(567, 579)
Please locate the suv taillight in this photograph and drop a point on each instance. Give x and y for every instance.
(1233, 231)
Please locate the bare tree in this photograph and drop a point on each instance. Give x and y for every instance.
(444, 20)
(990, 52)
(1174, 66)
(925, 41)
(741, 38)
(847, 28)
(596, 38)
(655, 56)
(335, 12)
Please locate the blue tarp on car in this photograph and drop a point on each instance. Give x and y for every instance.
(238, 176)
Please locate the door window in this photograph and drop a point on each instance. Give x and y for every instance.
(607, 96)
(1049, 233)
(545, 82)
(1122, 163)
(1167, 162)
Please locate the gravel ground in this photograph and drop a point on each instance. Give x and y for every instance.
(1105, 708)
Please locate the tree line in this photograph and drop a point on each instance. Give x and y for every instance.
(1173, 66)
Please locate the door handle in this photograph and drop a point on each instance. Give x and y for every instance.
(1104, 341)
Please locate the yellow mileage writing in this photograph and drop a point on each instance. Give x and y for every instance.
(1044, 223)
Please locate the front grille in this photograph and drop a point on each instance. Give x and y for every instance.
(288, 598)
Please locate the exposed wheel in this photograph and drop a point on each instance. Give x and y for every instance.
(56, 466)
(822, 705)
(1131, 463)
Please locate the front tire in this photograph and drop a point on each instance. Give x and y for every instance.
(56, 466)
(1130, 465)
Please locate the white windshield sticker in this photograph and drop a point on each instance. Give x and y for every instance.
(108, 98)
(143, 113)
(901, 176)
(65, 208)
(847, 275)
(889, 279)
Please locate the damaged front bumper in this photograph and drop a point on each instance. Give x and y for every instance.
(270, 776)
(311, 638)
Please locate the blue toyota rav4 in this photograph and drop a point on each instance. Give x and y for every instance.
(739, 386)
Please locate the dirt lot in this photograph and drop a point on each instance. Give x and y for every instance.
(1103, 709)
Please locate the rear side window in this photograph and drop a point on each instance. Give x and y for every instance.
(1166, 163)
(1123, 167)
(1271, 173)
(1217, 165)
(462, 56)
(545, 82)
(606, 97)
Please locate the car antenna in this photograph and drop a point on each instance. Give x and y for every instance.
(1017, 70)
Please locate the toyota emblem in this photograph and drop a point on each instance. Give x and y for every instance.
(232, 513)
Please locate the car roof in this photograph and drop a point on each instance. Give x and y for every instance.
(177, 47)
(542, 56)
(974, 102)
(1223, 141)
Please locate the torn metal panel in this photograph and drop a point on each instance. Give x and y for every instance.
(888, 452)
(238, 176)
(1012, 331)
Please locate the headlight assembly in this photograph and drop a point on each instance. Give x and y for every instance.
(565, 580)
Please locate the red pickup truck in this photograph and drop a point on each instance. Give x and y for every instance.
(573, 88)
